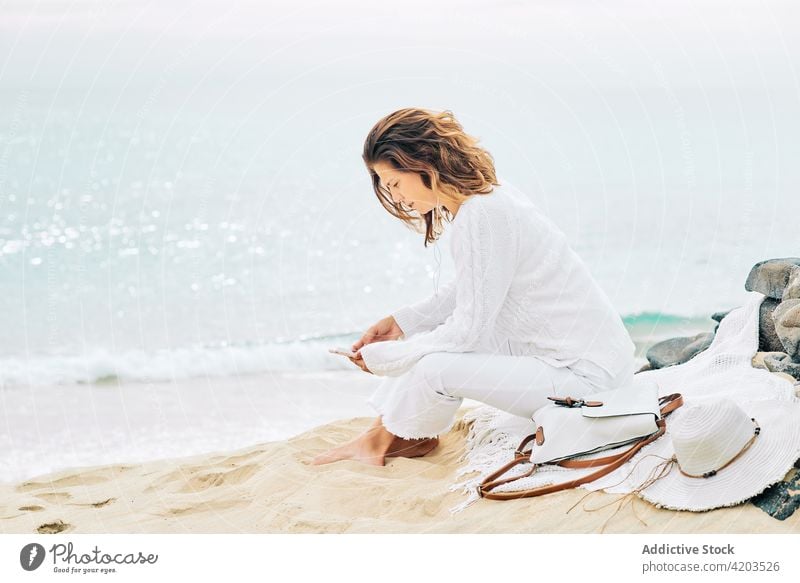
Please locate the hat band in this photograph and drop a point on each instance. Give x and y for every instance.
(756, 432)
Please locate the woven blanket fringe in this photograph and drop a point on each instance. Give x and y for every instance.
(484, 440)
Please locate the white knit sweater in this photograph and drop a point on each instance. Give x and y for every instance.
(517, 283)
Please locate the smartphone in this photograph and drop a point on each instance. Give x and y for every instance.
(343, 351)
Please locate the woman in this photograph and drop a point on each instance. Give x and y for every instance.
(522, 320)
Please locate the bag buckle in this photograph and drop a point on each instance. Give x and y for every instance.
(566, 401)
(570, 402)
(518, 453)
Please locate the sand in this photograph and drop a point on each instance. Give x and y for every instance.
(270, 488)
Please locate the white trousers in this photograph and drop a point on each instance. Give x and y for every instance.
(423, 401)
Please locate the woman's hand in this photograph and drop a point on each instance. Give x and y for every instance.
(359, 362)
(386, 329)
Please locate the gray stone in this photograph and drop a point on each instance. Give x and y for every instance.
(782, 499)
(773, 361)
(768, 340)
(792, 291)
(780, 362)
(678, 350)
(719, 315)
(773, 276)
(787, 326)
(758, 358)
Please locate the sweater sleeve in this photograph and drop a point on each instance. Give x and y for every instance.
(485, 254)
(428, 313)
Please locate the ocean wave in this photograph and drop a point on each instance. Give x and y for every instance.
(101, 366)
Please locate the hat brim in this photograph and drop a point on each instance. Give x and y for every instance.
(765, 462)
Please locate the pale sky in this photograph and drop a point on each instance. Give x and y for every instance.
(617, 38)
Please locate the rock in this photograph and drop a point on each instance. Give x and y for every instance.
(781, 499)
(719, 315)
(768, 340)
(782, 363)
(773, 361)
(792, 291)
(787, 326)
(790, 316)
(758, 358)
(678, 350)
(774, 276)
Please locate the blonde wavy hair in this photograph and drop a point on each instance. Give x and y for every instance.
(435, 146)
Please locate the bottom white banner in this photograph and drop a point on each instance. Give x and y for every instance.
(391, 558)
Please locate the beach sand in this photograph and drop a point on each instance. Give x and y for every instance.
(270, 488)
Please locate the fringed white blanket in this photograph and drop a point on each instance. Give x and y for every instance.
(723, 369)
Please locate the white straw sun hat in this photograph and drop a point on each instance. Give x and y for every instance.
(721, 454)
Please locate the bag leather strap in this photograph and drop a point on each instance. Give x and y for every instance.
(607, 464)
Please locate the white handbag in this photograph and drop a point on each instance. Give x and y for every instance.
(575, 427)
(572, 428)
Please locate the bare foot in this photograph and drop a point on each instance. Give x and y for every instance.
(370, 447)
(360, 449)
(402, 447)
(412, 447)
(352, 450)
(375, 445)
